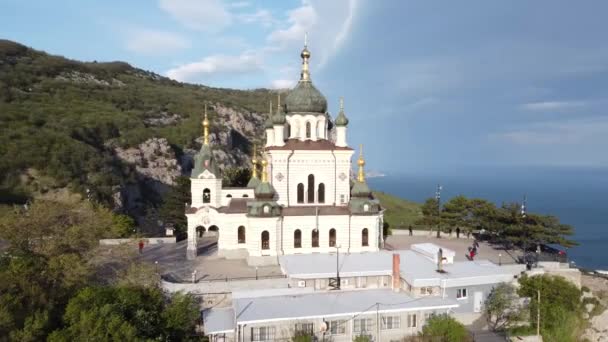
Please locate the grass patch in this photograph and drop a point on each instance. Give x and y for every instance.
(400, 213)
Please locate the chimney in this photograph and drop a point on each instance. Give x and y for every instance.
(396, 272)
(440, 261)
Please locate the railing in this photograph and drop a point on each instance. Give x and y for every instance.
(178, 280)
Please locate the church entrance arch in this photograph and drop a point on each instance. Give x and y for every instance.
(214, 230)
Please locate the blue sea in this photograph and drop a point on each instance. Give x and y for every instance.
(578, 196)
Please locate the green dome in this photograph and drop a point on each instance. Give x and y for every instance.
(278, 118)
(305, 98)
(264, 190)
(360, 189)
(341, 120)
(268, 123)
(253, 182)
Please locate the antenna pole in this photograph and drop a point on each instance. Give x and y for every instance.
(538, 315)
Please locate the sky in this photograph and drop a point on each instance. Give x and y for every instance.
(427, 85)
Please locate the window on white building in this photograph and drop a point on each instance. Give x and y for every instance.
(266, 209)
(206, 196)
(263, 334)
(342, 198)
(308, 328)
(412, 321)
(426, 291)
(362, 326)
(391, 322)
(366, 207)
(461, 293)
(337, 327)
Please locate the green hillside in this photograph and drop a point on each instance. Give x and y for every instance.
(62, 117)
(400, 213)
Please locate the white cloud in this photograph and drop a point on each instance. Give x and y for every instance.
(239, 4)
(588, 132)
(216, 65)
(300, 20)
(553, 105)
(262, 16)
(154, 42)
(282, 84)
(203, 15)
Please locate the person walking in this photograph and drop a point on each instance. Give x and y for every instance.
(141, 246)
(410, 229)
(458, 232)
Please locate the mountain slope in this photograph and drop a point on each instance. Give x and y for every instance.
(67, 120)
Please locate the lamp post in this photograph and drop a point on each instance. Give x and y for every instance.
(438, 199)
(499, 259)
(256, 273)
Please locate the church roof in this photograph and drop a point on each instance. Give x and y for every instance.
(204, 160)
(318, 145)
(315, 210)
(305, 98)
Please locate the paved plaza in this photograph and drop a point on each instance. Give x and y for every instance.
(496, 254)
(172, 262)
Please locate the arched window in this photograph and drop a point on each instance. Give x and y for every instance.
(245, 195)
(288, 130)
(266, 209)
(364, 237)
(229, 196)
(315, 237)
(300, 193)
(308, 130)
(265, 240)
(241, 234)
(311, 188)
(332, 237)
(206, 195)
(321, 193)
(297, 239)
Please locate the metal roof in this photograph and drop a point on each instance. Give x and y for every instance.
(332, 304)
(218, 320)
(415, 268)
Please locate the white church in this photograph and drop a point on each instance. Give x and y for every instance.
(303, 199)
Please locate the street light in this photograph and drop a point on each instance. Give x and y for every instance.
(438, 199)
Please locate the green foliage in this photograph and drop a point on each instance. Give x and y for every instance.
(127, 313)
(560, 306)
(122, 226)
(236, 177)
(505, 223)
(302, 336)
(46, 266)
(63, 117)
(399, 213)
(502, 309)
(446, 328)
(362, 338)
(172, 209)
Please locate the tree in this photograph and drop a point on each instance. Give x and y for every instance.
(446, 328)
(502, 308)
(172, 210)
(236, 176)
(122, 226)
(560, 306)
(127, 313)
(430, 214)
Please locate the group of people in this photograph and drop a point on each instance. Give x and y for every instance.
(473, 250)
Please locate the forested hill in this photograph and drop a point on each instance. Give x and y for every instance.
(89, 125)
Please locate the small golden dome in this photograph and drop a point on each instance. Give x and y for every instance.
(264, 163)
(361, 162)
(305, 53)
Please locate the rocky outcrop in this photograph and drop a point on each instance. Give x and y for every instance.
(156, 169)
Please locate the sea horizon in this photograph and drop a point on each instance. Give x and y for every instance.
(573, 194)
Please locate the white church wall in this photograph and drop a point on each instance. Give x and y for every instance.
(257, 225)
(278, 176)
(228, 231)
(198, 185)
(343, 170)
(360, 222)
(230, 193)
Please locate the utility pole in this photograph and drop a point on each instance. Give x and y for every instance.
(538, 315)
(378, 322)
(438, 199)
